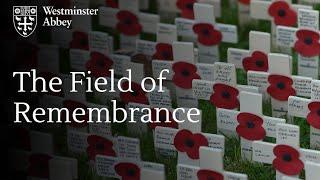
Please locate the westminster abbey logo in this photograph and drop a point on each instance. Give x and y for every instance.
(25, 19)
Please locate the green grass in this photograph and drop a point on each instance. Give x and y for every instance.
(232, 160)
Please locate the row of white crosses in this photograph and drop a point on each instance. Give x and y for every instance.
(249, 123)
(42, 151)
(286, 156)
(127, 166)
(279, 83)
(206, 32)
(260, 9)
(304, 40)
(128, 19)
(303, 108)
(256, 58)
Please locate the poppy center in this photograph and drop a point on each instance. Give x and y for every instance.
(100, 63)
(131, 172)
(165, 54)
(127, 21)
(287, 157)
(100, 146)
(185, 73)
(189, 143)
(226, 95)
(281, 85)
(205, 32)
(308, 40)
(259, 63)
(250, 125)
(210, 178)
(83, 42)
(282, 13)
(189, 6)
(134, 93)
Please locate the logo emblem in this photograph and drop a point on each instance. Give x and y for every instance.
(25, 19)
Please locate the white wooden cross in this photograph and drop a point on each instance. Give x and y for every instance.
(128, 163)
(181, 71)
(186, 140)
(160, 50)
(300, 107)
(42, 145)
(303, 42)
(220, 87)
(128, 20)
(211, 167)
(249, 124)
(168, 8)
(279, 83)
(286, 156)
(205, 27)
(244, 12)
(284, 13)
(256, 58)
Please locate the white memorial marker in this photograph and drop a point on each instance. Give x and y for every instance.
(41, 154)
(244, 12)
(208, 33)
(186, 140)
(254, 59)
(310, 110)
(250, 123)
(279, 83)
(128, 21)
(221, 89)
(285, 156)
(280, 12)
(128, 163)
(211, 167)
(304, 40)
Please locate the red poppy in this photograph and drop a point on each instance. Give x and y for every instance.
(128, 23)
(21, 138)
(186, 141)
(186, 7)
(184, 73)
(27, 55)
(112, 3)
(207, 34)
(258, 61)
(99, 146)
(128, 171)
(246, 2)
(99, 65)
(137, 96)
(162, 119)
(225, 96)
(308, 43)
(282, 13)
(250, 127)
(163, 52)
(313, 117)
(287, 160)
(39, 165)
(205, 174)
(71, 106)
(280, 87)
(80, 40)
(48, 76)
